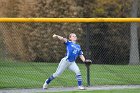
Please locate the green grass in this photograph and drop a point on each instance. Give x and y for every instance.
(32, 75)
(105, 91)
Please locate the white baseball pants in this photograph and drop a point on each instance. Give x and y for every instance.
(64, 63)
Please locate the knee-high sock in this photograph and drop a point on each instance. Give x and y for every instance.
(79, 80)
(49, 79)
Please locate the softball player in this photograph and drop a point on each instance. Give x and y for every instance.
(73, 51)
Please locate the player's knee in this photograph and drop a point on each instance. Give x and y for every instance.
(56, 74)
(78, 72)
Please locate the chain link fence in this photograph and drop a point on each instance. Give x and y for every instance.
(29, 54)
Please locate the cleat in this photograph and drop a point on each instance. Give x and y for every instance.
(45, 85)
(81, 88)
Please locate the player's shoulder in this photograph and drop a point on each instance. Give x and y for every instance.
(67, 42)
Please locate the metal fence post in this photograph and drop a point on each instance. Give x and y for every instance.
(87, 53)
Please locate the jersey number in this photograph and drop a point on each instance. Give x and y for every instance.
(75, 51)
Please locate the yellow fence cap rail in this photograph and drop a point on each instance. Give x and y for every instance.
(70, 20)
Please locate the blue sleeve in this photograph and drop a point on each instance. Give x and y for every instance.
(80, 52)
(66, 43)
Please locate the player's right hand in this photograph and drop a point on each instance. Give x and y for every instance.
(54, 35)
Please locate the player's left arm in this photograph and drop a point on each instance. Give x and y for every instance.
(85, 60)
(82, 58)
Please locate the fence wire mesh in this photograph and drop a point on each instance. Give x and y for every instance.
(29, 54)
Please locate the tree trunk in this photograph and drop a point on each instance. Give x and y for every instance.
(134, 51)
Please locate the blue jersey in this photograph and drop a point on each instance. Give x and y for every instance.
(73, 51)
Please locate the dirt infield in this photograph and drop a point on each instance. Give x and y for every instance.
(106, 87)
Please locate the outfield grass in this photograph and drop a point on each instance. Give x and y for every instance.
(105, 91)
(32, 75)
